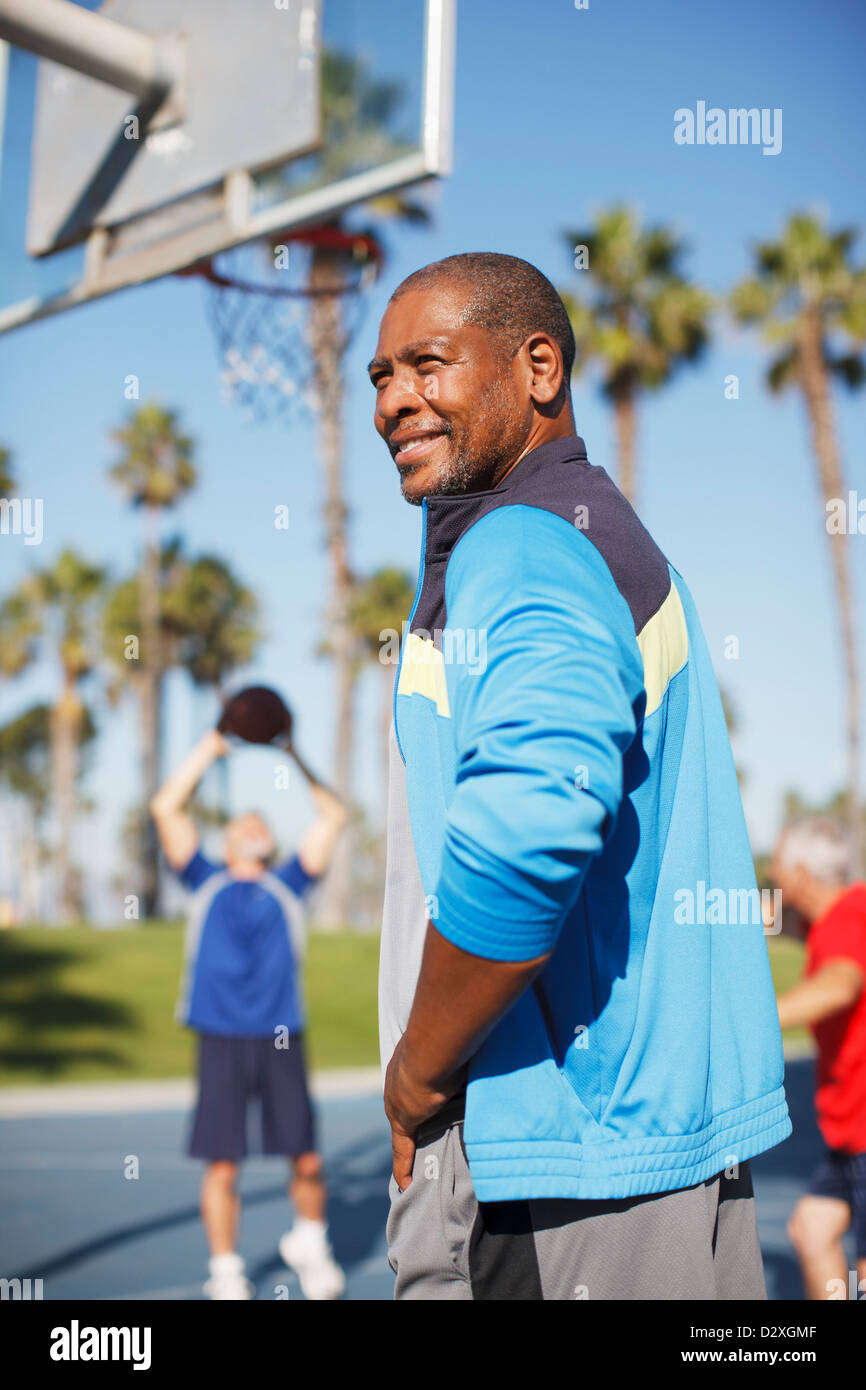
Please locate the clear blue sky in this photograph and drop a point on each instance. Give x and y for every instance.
(559, 113)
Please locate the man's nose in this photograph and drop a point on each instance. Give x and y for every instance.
(399, 398)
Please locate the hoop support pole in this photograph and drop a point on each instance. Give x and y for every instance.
(91, 44)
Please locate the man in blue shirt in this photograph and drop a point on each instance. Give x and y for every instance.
(241, 993)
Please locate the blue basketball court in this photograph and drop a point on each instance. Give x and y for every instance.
(71, 1218)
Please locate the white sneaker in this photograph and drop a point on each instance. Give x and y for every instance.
(227, 1279)
(307, 1251)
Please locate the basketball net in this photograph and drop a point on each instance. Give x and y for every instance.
(261, 301)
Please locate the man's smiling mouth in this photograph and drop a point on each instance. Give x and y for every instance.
(412, 448)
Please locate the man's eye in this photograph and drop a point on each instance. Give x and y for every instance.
(380, 381)
(427, 360)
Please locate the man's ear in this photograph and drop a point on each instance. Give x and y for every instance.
(539, 361)
(545, 365)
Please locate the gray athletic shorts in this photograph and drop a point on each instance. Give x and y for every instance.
(696, 1242)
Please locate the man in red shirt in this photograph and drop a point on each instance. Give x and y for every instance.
(812, 867)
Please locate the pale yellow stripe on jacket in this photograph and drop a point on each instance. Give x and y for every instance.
(664, 646)
(423, 673)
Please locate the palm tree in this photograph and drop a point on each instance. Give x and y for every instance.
(358, 119)
(326, 343)
(19, 624)
(7, 477)
(380, 605)
(210, 618)
(19, 628)
(62, 603)
(155, 470)
(361, 120)
(810, 302)
(25, 771)
(639, 320)
(208, 626)
(214, 621)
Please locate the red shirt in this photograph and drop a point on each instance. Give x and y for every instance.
(840, 1096)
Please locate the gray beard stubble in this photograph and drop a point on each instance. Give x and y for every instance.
(460, 475)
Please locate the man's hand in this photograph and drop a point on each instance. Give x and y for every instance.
(218, 744)
(408, 1103)
(458, 1000)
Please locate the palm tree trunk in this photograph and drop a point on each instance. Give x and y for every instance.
(149, 714)
(28, 868)
(625, 420)
(65, 736)
(326, 345)
(820, 410)
(149, 709)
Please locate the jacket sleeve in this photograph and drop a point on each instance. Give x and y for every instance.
(543, 713)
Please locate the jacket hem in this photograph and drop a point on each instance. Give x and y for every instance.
(512, 1170)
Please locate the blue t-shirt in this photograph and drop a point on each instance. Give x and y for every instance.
(243, 943)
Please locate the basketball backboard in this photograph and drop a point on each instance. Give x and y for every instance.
(280, 114)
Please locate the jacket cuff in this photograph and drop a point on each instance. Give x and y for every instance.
(490, 910)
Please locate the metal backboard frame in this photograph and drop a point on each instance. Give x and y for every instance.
(215, 219)
(120, 157)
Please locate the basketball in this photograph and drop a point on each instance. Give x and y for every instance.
(256, 714)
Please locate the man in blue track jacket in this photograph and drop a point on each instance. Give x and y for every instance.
(576, 1009)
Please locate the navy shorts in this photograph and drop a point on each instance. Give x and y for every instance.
(843, 1176)
(232, 1071)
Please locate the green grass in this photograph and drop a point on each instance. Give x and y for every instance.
(786, 963)
(77, 1004)
(83, 1005)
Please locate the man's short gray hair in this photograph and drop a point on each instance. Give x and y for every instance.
(821, 844)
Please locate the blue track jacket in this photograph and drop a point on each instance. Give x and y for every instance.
(563, 761)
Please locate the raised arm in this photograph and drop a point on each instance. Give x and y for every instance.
(316, 846)
(175, 827)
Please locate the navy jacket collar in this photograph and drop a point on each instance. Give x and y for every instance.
(448, 517)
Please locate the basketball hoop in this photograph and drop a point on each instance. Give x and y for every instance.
(260, 302)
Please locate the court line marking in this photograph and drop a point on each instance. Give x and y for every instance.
(176, 1093)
